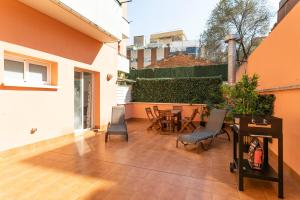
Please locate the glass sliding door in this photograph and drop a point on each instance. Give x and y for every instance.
(82, 100)
(78, 107)
(87, 100)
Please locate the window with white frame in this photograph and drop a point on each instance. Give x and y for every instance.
(22, 71)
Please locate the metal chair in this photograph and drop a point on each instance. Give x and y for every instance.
(118, 125)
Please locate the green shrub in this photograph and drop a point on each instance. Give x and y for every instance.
(243, 98)
(265, 104)
(178, 90)
(180, 72)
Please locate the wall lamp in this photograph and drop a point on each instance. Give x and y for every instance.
(109, 77)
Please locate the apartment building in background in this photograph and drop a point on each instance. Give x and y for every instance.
(167, 37)
(161, 46)
(59, 62)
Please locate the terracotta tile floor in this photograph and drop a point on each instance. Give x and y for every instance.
(148, 167)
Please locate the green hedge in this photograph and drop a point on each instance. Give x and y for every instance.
(265, 105)
(178, 90)
(180, 72)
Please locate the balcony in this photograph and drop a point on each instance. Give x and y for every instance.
(123, 64)
(99, 19)
(125, 28)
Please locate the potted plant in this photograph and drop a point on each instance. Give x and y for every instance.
(205, 113)
(244, 99)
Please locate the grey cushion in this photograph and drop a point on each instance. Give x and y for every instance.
(114, 128)
(195, 137)
(213, 127)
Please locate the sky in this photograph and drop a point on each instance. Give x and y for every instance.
(152, 16)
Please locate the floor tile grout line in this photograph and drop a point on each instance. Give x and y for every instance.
(149, 169)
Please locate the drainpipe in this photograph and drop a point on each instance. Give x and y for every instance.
(231, 40)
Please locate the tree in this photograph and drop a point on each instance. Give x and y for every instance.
(250, 19)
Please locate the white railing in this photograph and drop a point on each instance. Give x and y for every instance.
(106, 14)
(123, 64)
(123, 94)
(125, 27)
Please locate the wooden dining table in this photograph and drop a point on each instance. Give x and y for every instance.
(178, 115)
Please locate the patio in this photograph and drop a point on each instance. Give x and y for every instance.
(147, 167)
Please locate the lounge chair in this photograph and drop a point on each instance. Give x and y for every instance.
(118, 125)
(212, 129)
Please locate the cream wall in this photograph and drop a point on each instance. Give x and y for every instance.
(52, 112)
(137, 109)
(106, 62)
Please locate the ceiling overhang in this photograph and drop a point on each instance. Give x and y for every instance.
(61, 12)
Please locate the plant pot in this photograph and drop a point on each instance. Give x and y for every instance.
(202, 123)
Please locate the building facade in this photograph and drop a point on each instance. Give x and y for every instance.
(59, 62)
(166, 38)
(161, 46)
(277, 65)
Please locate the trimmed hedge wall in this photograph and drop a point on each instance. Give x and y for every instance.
(265, 104)
(178, 90)
(180, 72)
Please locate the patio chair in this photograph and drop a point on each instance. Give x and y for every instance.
(153, 119)
(156, 110)
(118, 125)
(176, 118)
(212, 129)
(188, 121)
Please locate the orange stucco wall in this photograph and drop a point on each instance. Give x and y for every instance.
(27, 27)
(24, 31)
(137, 109)
(277, 63)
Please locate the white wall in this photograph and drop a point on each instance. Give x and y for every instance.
(106, 62)
(105, 13)
(123, 64)
(52, 112)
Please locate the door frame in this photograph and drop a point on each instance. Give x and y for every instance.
(82, 129)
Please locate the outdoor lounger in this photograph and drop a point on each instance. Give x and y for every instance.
(212, 129)
(118, 125)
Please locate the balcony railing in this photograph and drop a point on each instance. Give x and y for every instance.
(123, 64)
